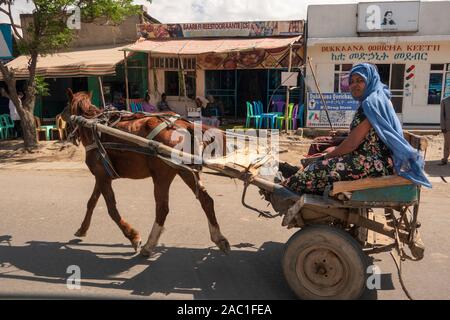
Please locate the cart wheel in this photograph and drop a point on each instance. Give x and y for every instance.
(322, 262)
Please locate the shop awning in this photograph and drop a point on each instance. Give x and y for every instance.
(79, 63)
(202, 46)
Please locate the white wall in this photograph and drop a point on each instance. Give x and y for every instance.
(341, 20)
(340, 29)
(177, 104)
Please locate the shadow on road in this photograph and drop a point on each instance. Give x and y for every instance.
(199, 273)
(435, 170)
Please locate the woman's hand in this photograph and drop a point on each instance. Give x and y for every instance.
(352, 142)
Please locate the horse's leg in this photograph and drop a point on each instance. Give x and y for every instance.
(90, 209)
(130, 233)
(208, 206)
(161, 181)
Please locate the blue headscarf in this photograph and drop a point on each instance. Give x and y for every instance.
(378, 108)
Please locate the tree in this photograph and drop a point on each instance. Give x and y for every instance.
(47, 34)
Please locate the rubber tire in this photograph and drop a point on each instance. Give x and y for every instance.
(342, 247)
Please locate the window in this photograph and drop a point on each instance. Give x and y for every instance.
(172, 84)
(221, 84)
(439, 83)
(174, 63)
(341, 81)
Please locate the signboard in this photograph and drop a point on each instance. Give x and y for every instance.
(382, 52)
(221, 29)
(388, 16)
(289, 79)
(341, 108)
(5, 42)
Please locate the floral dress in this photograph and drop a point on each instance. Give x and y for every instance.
(371, 159)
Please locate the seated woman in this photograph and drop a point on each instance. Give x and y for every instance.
(374, 147)
(147, 106)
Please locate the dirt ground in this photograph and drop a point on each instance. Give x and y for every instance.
(48, 151)
(292, 149)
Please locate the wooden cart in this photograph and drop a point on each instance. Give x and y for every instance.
(328, 257)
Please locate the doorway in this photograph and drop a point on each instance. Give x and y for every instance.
(251, 86)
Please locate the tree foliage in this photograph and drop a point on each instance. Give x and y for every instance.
(47, 33)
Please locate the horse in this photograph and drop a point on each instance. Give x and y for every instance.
(132, 165)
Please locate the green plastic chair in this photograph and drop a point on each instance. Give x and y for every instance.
(3, 128)
(281, 119)
(9, 123)
(6, 126)
(251, 115)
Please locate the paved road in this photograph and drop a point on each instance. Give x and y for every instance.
(41, 210)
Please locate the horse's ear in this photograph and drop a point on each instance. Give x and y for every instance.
(69, 94)
(90, 94)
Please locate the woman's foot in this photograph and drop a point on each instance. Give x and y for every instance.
(287, 170)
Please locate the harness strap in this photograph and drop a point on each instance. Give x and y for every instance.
(157, 130)
(104, 155)
(170, 122)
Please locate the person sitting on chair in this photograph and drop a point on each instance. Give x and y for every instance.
(374, 147)
(147, 106)
(163, 105)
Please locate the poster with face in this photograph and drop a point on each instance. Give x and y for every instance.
(388, 16)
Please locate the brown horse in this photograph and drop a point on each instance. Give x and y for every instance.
(133, 165)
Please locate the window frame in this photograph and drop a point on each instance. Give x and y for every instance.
(444, 72)
(193, 74)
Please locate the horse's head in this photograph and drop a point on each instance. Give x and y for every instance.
(79, 104)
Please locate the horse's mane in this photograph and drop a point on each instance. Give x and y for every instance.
(81, 105)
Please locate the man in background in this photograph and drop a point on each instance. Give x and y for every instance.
(14, 115)
(445, 127)
(163, 105)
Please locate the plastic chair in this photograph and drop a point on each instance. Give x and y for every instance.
(300, 115)
(136, 105)
(41, 133)
(3, 128)
(60, 132)
(282, 118)
(293, 120)
(7, 126)
(251, 115)
(278, 107)
(270, 117)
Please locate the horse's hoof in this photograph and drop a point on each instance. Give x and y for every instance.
(136, 244)
(224, 246)
(145, 252)
(80, 233)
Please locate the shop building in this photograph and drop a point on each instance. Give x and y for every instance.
(409, 41)
(233, 62)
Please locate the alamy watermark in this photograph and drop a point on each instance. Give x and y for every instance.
(239, 146)
(74, 20)
(373, 17)
(74, 280)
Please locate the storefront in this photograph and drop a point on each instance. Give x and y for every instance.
(416, 71)
(415, 66)
(232, 62)
(84, 70)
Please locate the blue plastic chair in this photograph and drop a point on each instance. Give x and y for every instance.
(300, 115)
(9, 123)
(270, 117)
